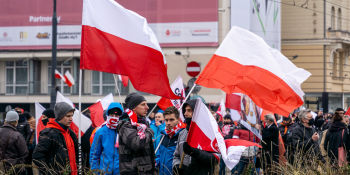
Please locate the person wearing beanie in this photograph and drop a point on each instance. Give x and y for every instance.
(13, 148)
(135, 139)
(58, 145)
(195, 161)
(104, 152)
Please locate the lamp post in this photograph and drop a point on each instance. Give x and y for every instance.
(53, 60)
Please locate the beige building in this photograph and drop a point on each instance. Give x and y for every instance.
(316, 37)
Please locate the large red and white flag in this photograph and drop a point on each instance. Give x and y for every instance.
(68, 79)
(204, 134)
(119, 41)
(96, 110)
(39, 125)
(233, 102)
(178, 88)
(244, 63)
(85, 121)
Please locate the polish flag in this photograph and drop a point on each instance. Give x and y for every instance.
(68, 79)
(233, 102)
(348, 111)
(85, 121)
(221, 110)
(119, 41)
(244, 63)
(124, 79)
(204, 134)
(58, 75)
(178, 88)
(39, 125)
(96, 110)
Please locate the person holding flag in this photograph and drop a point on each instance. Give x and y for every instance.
(104, 155)
(192, 160)
(136, 152)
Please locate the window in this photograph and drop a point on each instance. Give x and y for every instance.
(17, 77)
(339, 21)
(333, 18)
(103, 83)
(62, 67)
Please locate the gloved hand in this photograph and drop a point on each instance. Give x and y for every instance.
(187, 148)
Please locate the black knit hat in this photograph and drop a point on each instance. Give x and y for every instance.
(49, 113)
(134, 99)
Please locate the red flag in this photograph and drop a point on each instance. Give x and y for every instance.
(39, 125)
(233, 101)
(347, 112)
(164, 103)
(270, 79)
(96, 114)
(178, 88)
(58, 75)
(124, 79)
(119, 41)
(68, 79)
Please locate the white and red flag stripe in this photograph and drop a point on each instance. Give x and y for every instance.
(85, 121)
(233, 102)
(39, 125)
(119, 41)
(124, 79)
(96, 110)
(58, 75)
(204, 134)
(68, 79)
(178, 88)
(244, 63)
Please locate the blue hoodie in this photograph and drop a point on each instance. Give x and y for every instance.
(104, 156)
(165, 154)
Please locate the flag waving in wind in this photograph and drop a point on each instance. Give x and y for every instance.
(179, 90)
(119, 41)
(204, 134)
(244, 63)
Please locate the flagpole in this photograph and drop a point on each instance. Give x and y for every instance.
(154, 107)
(188, 95)
(116, 84)
(79, 131)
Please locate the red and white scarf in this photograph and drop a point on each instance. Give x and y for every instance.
(176, 128)
(141, 128)
(112, 123)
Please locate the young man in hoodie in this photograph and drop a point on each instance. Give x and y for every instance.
(136, 152)
(104, 155)
(195, 161)
(169, 137)
(57, 150)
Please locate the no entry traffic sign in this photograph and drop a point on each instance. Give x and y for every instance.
(193, 69)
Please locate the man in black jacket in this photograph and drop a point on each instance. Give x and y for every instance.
(304, 138)
(136, 151)
(57, 150)
(270, 143)
(13, 148)
(195, 161)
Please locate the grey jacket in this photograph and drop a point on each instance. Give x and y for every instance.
(179, 150)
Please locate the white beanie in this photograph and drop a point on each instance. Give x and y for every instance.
(11, 116)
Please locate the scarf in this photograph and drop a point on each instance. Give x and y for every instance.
(176, 128)
(112, 123)
(141, 128)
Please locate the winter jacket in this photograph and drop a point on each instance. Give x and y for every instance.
(24, 128)
(179, 150)
(136, 156)
(270, 144)
(335, 139)
(284, 130)
(230, 129)
(165, 154)
(12, 146)
(301, 140)
(52, 153)
(104, 155)
(157, 133)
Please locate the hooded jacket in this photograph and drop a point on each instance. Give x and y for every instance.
(335, 139)
(165, 154)
(57, 150)
(104, 153)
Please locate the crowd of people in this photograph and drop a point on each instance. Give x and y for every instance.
(129, 143)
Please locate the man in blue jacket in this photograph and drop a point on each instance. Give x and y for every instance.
(104, 156)
(169, 137)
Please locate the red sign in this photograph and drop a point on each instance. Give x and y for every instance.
(193, 69)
